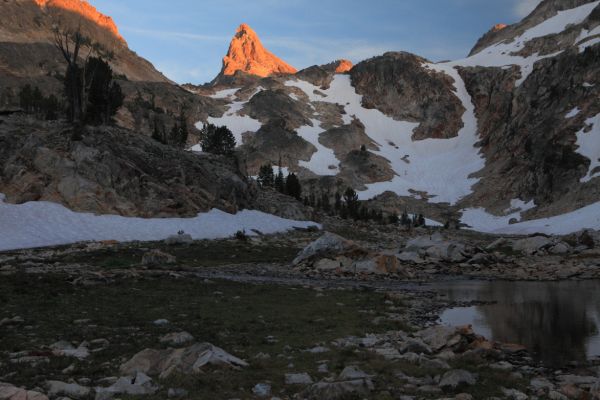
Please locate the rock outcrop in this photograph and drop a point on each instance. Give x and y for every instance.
(113, 171)
(247, 54)
(87, 11)
(399, 85)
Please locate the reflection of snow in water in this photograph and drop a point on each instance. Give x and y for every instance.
(567, 312)
(461, 316)
(592, 345)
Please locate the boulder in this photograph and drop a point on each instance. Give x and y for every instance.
(138, 385)
(327, 245)
(457, 377)
(560, 248)
(72, 390)
(186, 361)
(352, 373)
(298, 379)
(532, 245)
(66, 349)
(436, 247)
(439, 336)
(416, 346)
(177, 338)
(10, 392)
(181, 238)
(262, 390)
(157, 257)
(514, 394)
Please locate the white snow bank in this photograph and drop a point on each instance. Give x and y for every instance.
(225, 94)
(589, 145)
(584, 218)
(499, 54)
(237, 124)
(440, 167)
(324, 158)
(573, 113)
(41, 224)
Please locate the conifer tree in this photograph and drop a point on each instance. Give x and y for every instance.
(293, 187)
(266, 178)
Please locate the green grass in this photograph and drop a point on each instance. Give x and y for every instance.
(199, 254)
(236, 317)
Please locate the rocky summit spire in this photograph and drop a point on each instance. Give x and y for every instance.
(246, 53)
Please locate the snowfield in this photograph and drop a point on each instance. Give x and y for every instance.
(500, 54)
(432, 163)
(589, 146)
(584, 218)
(41, 224)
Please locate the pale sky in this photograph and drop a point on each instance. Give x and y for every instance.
(186, 39)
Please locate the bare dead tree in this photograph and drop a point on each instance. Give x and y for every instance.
(71, 44)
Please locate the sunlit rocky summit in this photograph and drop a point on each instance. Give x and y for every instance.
(247, 54)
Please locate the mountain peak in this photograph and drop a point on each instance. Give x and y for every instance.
(247, 54)
(87, 11)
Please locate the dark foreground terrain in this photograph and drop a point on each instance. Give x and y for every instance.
(104, 320)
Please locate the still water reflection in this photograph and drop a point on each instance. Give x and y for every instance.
(557, 321)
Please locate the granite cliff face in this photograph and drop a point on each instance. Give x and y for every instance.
(247, 54)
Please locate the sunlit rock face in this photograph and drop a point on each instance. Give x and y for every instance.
(498, 27)
(247, 54)
(343, 66)
(87, 11)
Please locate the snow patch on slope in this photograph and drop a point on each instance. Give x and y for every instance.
(440, 167)
(584, 218)
(589, 146)
(237, 124)
(500, 54)
(40, 224)
(324, 158)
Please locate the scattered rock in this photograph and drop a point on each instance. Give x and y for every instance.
(157, 257)
(73, 390)
(327, 245)
(181, 238)
(532, 245)
(177, 338)
(262, 390)
(457, 377)
(514, 394)
(66, 349)
(298, 379)
(138, 385)
(185, 361)
(10, 392)
(352, 372)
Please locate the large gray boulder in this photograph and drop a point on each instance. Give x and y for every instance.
(10, 392)
(72, 390)
(434, 247)
(329, 244)
(533, 245)
(186, 361)
(138, 385)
